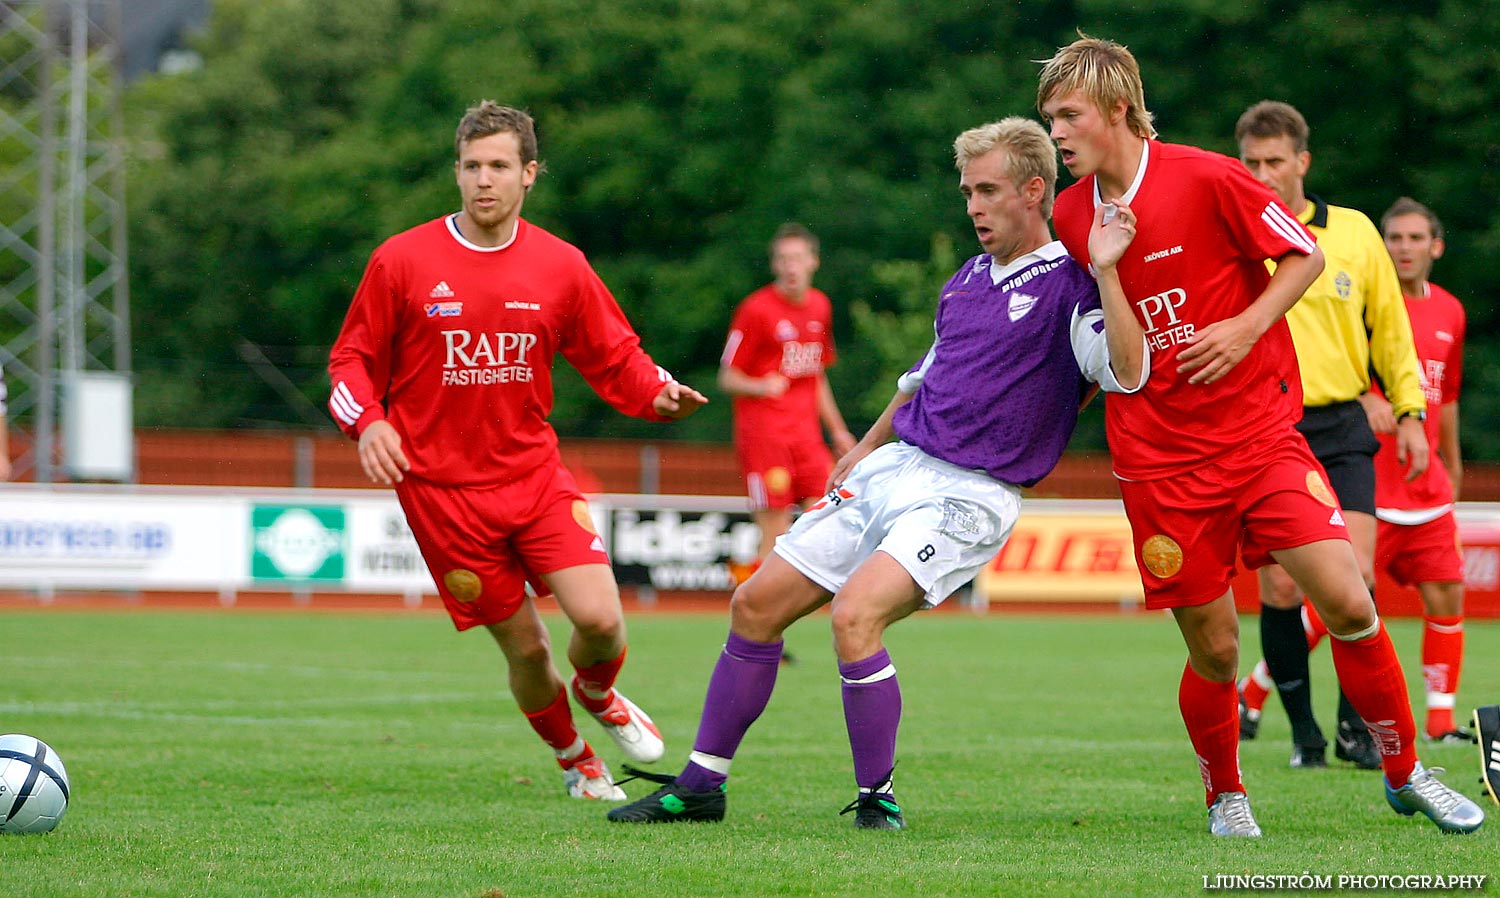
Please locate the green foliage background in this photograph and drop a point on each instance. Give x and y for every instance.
(678, 133)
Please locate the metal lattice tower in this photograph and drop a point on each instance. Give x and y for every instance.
(64, 296)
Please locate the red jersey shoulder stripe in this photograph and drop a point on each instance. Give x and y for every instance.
(1288, 227)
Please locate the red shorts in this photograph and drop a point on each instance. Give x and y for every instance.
(1188, 529)
(1420, 553)
(483, 545)
(780, 474)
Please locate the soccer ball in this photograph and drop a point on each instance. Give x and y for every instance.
(33, 785)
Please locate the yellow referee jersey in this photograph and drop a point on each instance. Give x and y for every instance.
(1352, 316)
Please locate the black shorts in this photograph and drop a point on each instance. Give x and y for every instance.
(1340, 437)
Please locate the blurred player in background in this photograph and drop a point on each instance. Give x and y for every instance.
(780, 342)
(443, 373)
(1019, 334)
(1350, 322)
(1418, 540)
(1208, 460)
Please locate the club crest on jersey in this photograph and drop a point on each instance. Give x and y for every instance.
(443, 309)
(1343, 284)
(1019, 304)
(785, 330)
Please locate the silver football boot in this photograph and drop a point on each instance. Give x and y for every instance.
(1450, 810)
(1230, 815)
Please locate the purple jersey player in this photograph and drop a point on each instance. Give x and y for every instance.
(1021, 330)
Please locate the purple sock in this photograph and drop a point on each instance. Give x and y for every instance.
(737, 692)
(872, 712)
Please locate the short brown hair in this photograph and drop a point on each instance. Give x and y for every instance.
(793, 231)
(1272, 118)
(1028, 153)
(1106, 72)
(1408, 206)
(489, 118)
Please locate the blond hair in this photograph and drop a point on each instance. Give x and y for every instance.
(1028, 153)
(1106, 72)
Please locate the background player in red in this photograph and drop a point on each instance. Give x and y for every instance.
(780, 341)
(1209, 462)
(1418, 535)
(443, 372)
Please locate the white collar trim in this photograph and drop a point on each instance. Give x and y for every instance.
(1135, 185)
(452, 222)
(1047, 252)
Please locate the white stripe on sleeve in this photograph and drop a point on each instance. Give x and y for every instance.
(343, 406)
(1287, 227)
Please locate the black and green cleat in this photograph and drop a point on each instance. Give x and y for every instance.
(671, 803)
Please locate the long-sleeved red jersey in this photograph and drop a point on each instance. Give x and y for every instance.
(453, 343)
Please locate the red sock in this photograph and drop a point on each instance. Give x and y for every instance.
(1371, 677)
(1256, 687)
(1442, 660)
(554, 724)
(1211, 712)
(594, 686)
(1313, 626)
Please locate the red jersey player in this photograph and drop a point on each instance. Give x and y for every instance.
(780, 342)
(1209, 463)
(1417, 542)
(443, 373)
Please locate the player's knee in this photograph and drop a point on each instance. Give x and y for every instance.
(1353, 613)
(1218, 660)
(856, 633)
(527, 651)
(599, 625)
(756, 613)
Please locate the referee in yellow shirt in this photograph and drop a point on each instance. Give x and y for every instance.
(1350, 322)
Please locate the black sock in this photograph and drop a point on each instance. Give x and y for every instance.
(1283, 642)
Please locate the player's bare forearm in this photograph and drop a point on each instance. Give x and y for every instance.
(1108, 241)
(676, 401)
(1214, 350)
(735, 382)
(1448, 447)
(833, 420)
(880, 433)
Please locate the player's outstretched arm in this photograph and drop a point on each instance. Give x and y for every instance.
(676, 401)
(1214, 350)
(1110, 236)
(380, 453)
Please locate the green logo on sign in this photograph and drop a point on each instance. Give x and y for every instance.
(297, 542)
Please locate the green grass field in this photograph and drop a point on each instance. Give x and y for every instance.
(312, 754)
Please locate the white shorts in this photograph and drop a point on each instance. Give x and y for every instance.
(942, 523)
